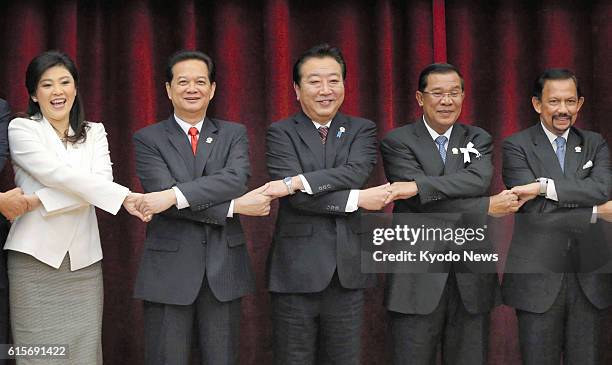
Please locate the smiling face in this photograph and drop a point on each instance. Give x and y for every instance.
(55, 94)
(190, 90)
(559, 105)
(321, 88)
(441, 112)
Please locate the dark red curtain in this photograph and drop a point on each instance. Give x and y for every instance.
(121, 48)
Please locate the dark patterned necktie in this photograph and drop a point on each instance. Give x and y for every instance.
(323, 133)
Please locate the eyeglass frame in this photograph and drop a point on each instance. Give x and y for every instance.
(441, 95)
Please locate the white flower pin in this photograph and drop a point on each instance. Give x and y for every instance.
(455, 151)
(587, 165)
(578, 149)
(340, 131)
(209, 140)
(467, 150)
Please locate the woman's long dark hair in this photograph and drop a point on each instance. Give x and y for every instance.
(36, 68)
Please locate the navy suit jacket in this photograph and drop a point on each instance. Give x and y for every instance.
(314, 236)
(410, 154)
(184, 247)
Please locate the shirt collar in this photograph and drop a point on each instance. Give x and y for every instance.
(185, 126)
(551, 136)
(435, 134)
(317, 125)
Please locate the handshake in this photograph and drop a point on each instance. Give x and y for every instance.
(257, 202)
(14, 203)
(504, 203)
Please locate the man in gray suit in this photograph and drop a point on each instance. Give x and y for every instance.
(321, 159)
(195, 266)
(429, 175)
(563, 174)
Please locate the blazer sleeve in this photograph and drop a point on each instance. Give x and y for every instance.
(283, 161)
(466, 186)
(355, 172)
(209, 196)
(593, 189)
(56, 201)
(5, 112)
(31, 154)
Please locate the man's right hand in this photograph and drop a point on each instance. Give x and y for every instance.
(504, 203)
(374, 198)
(13, 204)
(604, 211)
(254, 203)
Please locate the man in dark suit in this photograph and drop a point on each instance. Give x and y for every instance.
(195, 266)
(428, 173)
(557, 168)
(321, 159)
(12, 205)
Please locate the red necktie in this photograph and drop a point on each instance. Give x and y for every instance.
(193, 133)
(323, 133)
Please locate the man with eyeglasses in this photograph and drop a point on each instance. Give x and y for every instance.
(562, 175)
(429, 174)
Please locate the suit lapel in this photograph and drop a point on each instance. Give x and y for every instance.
(333, 143)
(206, 143)
(435, 165)
(179, 140)
(573, 158)
(545, 152)
(457, 140)
(309, 134)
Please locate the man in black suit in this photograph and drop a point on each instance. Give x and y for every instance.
(428, 173)
(195, 266)
(12, 205)
(320, 159)
(557, 168)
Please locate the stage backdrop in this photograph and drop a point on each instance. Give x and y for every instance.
(121, 48)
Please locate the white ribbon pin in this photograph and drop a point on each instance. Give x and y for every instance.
(209, 140)
(587, 165)
(467, 150)
(340, 131)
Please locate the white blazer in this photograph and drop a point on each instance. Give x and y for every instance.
(69, 181)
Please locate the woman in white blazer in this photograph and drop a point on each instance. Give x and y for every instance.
(63, 165)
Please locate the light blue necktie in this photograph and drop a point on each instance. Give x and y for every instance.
(560, 141)
(441, 141)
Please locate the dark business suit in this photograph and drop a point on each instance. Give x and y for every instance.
(314, 266)
(418, 302)
(547, 245)
(4, 226)
(195, 265)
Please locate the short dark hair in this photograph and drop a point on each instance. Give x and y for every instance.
(319, 51)
(554, 74)
(437, 68)
(37, 67)
(190, 55)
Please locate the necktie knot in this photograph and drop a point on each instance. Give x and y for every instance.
(193, 134)
(441, 142)
(323, 133)
(560, 141)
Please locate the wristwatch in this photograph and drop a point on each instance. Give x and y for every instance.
(289, 185)
(543, 185)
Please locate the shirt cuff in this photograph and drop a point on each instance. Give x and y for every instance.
(230, 211)
(353, 200)
(551, 192)
(181, 201)
(307, 188)
(594, 215)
